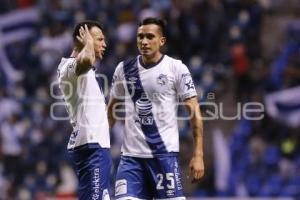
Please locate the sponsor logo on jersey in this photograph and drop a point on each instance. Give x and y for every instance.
(73, 138)
(143, 108)
(188, 81)
(170, 193)
(177, 176)
(143, 105)
(190, 85)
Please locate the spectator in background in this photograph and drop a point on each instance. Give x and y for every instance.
(206, 29)
(12, 134)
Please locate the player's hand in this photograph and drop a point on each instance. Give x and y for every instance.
(196, 168)
(84, 36)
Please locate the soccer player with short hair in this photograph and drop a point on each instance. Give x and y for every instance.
(150, 85)
(89, 142)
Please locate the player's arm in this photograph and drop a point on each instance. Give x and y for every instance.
(86, 57)
(196, 164)
(110, 111)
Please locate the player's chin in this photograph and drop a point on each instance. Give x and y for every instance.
(99, 55)
(145, 53)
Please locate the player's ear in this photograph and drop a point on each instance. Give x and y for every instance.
(163, 41)
(78, 45)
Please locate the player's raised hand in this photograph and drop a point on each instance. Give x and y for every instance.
(84, 36)
(196, 168)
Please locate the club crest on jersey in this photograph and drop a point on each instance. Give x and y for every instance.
(162, 79)
(143, 107)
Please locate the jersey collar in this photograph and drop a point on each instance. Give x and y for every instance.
(150, 65)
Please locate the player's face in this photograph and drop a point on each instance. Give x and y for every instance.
(99, 41)
(149, 40)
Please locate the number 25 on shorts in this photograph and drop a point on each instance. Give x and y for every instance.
(169, 177)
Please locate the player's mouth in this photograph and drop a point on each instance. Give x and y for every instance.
(144, 49)
(102, 52)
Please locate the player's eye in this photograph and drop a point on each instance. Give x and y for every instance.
(140, 37)
(150, 36)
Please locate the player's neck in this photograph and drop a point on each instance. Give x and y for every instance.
(152, 59)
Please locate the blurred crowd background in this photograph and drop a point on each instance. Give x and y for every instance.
(238, 51)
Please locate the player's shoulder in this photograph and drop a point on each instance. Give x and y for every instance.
(120, 66)
(175, 63)
(66, 62)
(128, 61)
(119, 69)
(66, 68)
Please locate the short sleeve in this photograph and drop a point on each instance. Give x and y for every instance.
(117, 89)
(66, 69)
(184, 82)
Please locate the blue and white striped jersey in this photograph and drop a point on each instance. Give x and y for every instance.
(151, 98)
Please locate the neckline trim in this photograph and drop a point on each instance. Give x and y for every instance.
(150, 65)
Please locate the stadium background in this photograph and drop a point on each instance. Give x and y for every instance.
(238, 51)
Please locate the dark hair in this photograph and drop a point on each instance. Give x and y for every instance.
(90, 24)
(152, 20)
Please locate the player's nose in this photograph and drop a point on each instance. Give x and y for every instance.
(144, 41)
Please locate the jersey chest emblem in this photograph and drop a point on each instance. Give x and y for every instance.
(162, 80)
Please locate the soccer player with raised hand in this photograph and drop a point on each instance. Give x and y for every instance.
(89, 142)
